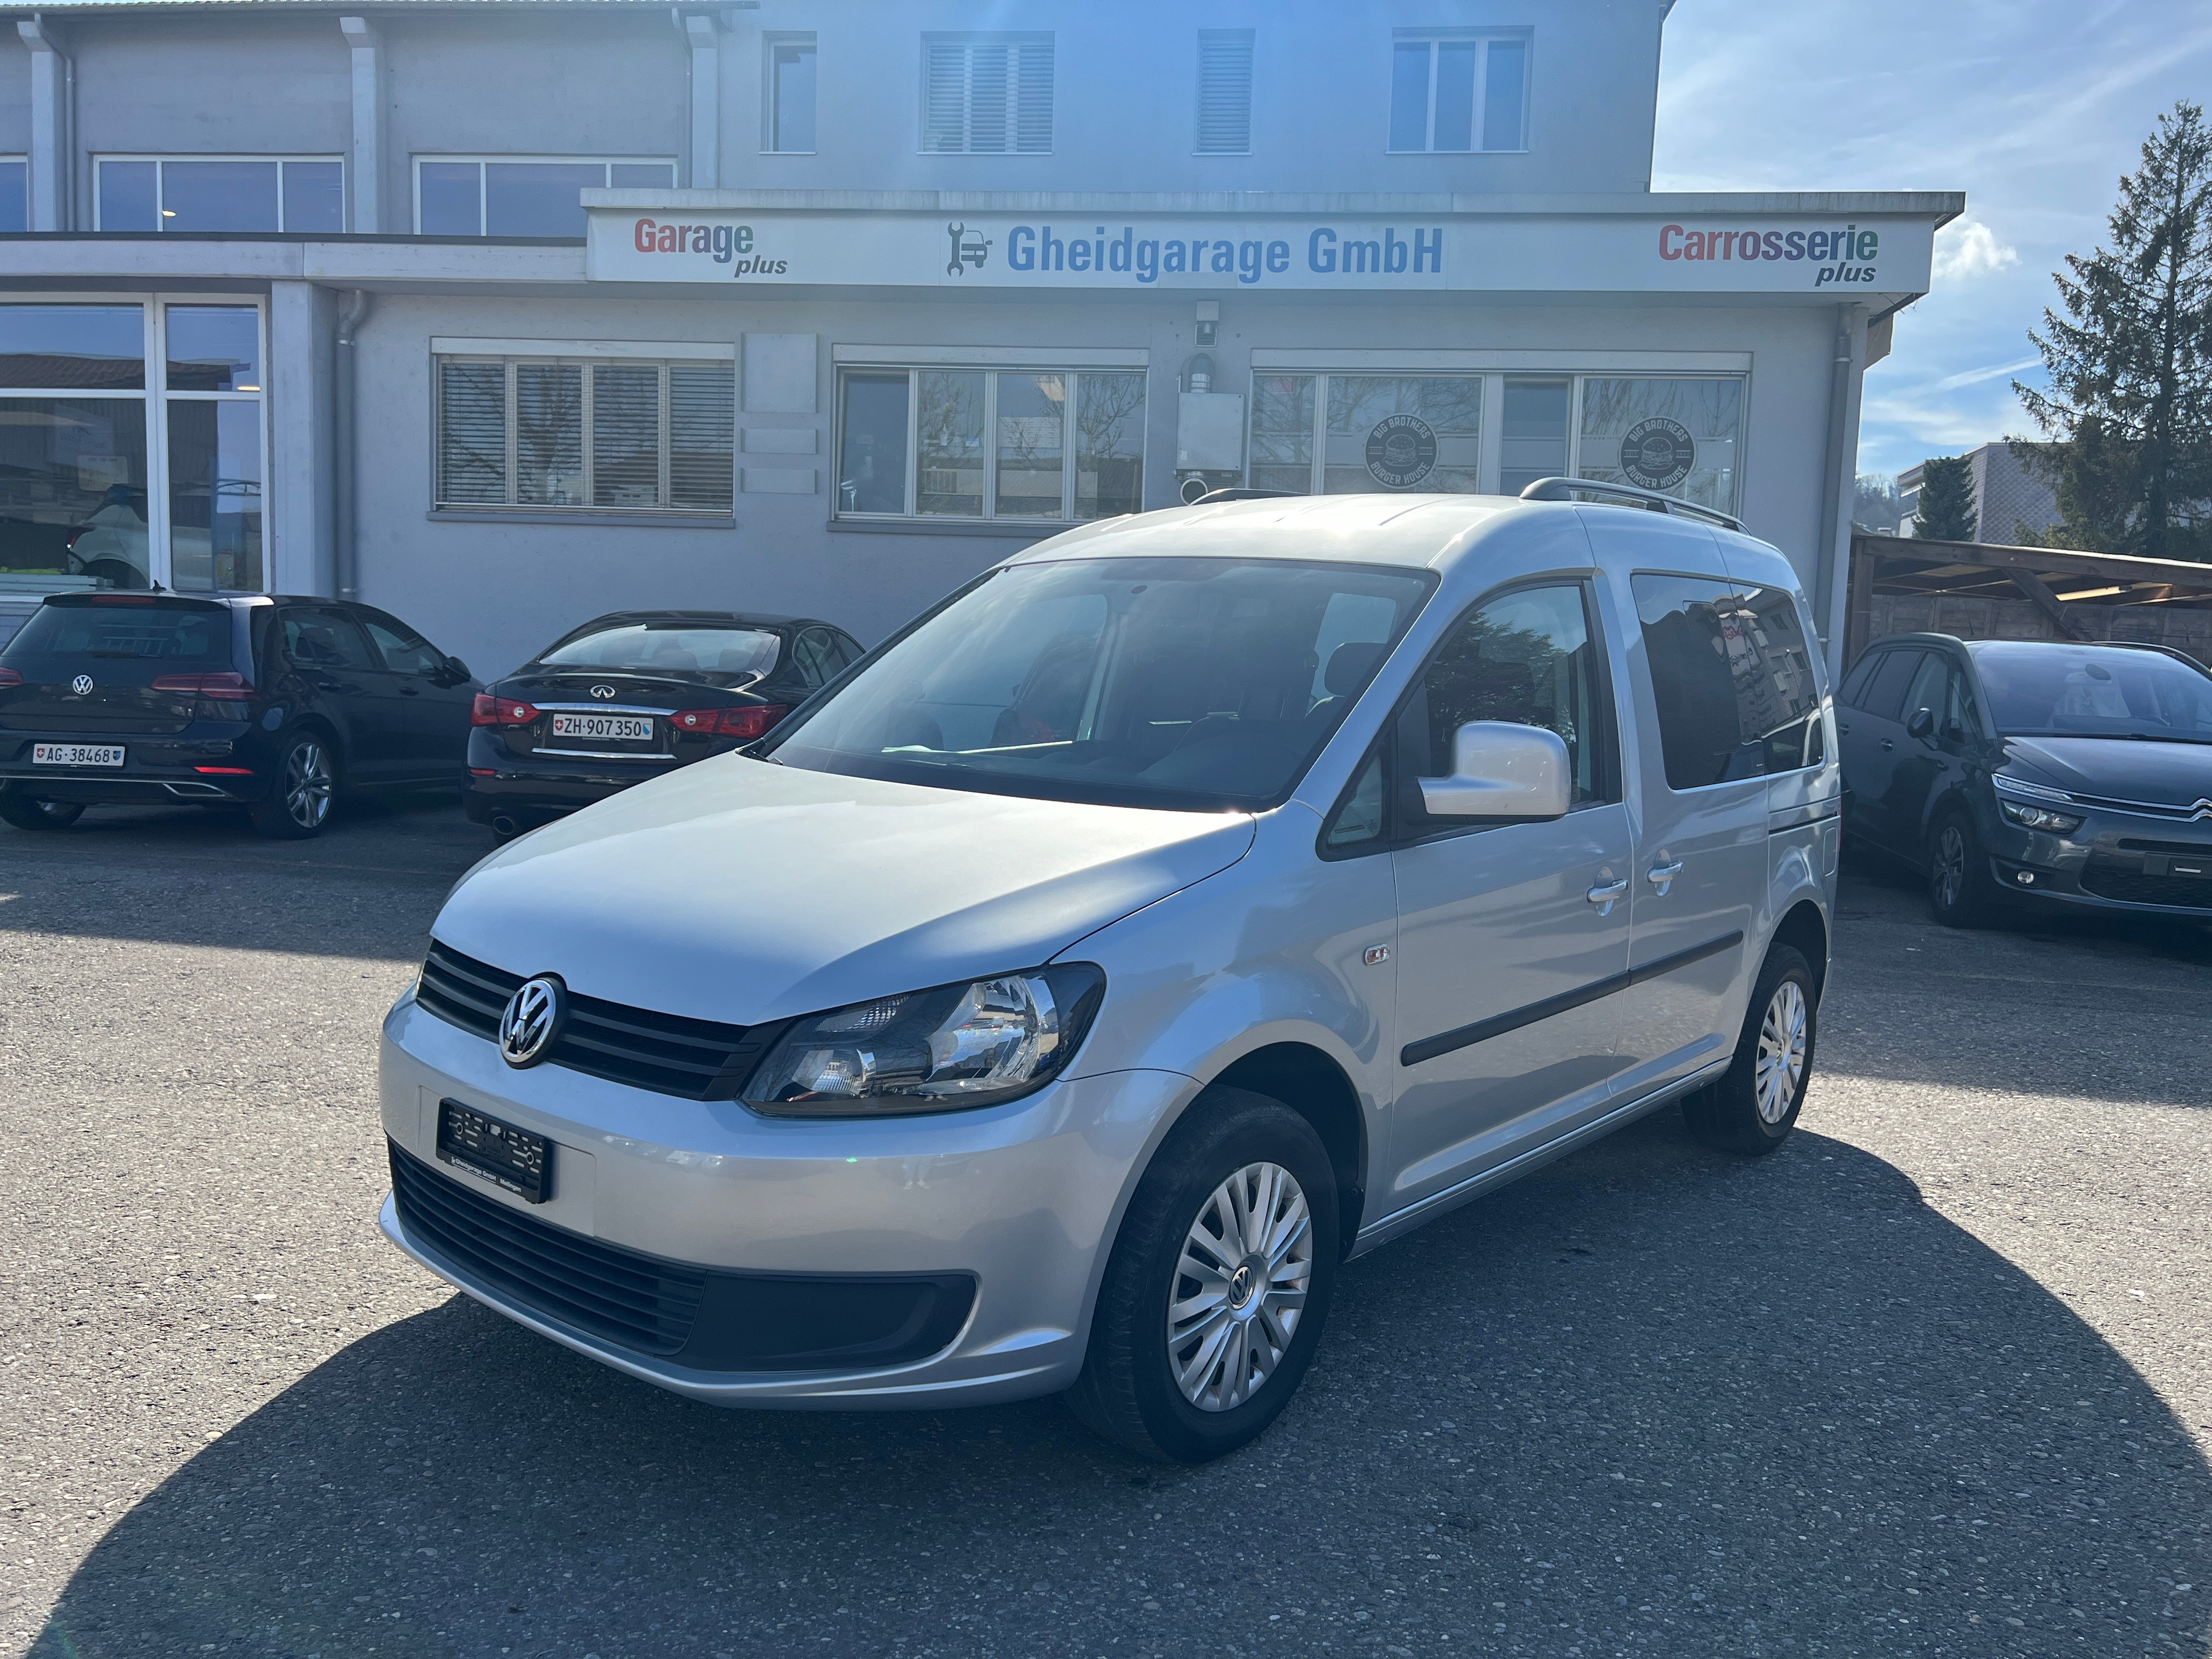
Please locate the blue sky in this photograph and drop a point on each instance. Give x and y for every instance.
(2032, 107)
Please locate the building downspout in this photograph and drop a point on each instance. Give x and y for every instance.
(1834, 510)
(351, 314)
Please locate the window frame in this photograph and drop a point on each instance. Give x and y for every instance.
(162, 159)
(913, 370)
(810, 42)
(480, 160)
(1479, 107)
(584, 356)
(1248, 38)
(968, 41)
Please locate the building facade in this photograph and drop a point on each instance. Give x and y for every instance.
(2011, 504)
(499, 315)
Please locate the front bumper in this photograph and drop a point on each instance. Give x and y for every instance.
(1023, 1199)
(2115, 862)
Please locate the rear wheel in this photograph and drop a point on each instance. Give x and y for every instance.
(1214, 1296)
(1754, 1106)
(1958, 873)
(29, 813)
(298, 804)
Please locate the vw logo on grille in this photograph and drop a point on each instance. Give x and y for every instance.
(603, 692)
(81, 685)
(532, 1018)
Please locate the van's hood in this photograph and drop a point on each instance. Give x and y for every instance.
(2118, 769)
(742, 890)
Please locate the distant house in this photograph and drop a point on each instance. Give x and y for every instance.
(2006, 496)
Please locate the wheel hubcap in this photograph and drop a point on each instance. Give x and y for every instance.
(1950, 866)
(308, 785)
(1781, 1066)
(1240, 1286)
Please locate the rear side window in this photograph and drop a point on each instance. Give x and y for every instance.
(1885, 693)
(403, 650)
(325, 639)
(1855, 682)
(1733, 680)
(195, 634)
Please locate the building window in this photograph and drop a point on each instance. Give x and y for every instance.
(508, 196)
(1457, 93)
(1049, 445)
(132, 447)
(220, 193)
(1348, 434)
(788, 68)
(987, 95)
(14, 193)
(1679, 436)
(1224, 92)
(626, 434)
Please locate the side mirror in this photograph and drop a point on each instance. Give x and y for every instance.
(1922, 724)
(458, 669)
(1501, 770)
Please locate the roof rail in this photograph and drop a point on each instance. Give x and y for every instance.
(1566, 489)
(1213, 497)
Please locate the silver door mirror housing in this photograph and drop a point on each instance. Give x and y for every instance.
(1502, 771)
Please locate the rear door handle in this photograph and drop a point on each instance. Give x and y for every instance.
(410, 690)
(1661, 876)
(1605, 893)
(1887, 745)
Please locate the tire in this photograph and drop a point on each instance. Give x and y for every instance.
(1229, 1148)
(298, 804)
(1957, 873)
(29, 813)
(1754, 1106)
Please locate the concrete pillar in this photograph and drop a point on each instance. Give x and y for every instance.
(53, 126)
(302, 557)
(703, 35)
(364, 161)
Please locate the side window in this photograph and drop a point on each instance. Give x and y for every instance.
(1359, 820)
(1885, 695)
(1860, 676)
(1960, 714)
(1732, 677)
(404, 651)
(325, 639)
(847, 649)
(1527, 656)
(811, 656)
(1771, 661)
(1927, 690)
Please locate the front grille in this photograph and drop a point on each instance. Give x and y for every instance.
(639, 1302)
(2186, 848)
(668, 1053)
(2108, 879)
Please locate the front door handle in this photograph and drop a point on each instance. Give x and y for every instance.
(410, 690)
(1887, 745)
(1605, 893)
(1661, 876)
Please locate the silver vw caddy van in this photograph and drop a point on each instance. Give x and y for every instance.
(1192, 902)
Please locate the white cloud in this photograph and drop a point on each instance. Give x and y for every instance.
(1967, 249)
(1976, 376)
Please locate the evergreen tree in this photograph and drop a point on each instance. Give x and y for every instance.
(1946, 512)
(2131, 363)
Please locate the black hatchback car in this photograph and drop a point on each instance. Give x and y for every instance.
(629, 696)
(2033, 773)
(273, 704)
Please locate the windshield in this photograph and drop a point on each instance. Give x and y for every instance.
(187, 635)
(685, 650)
(2047, 690)
(1188, 683)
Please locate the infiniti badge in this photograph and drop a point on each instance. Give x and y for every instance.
(81, 685)
(532, 1018)
(603, 692)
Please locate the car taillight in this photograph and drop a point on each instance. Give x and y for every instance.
(224, 687)
(487, 710)
(9, 676)
(748, 723)
(225, 771)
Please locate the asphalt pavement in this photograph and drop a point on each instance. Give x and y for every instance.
(1932, 1380)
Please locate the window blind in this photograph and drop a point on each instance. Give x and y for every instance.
(987, 97)
(1224, 92)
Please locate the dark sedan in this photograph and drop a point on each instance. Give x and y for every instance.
(2019, 773)
(627, 696)
(272, 704)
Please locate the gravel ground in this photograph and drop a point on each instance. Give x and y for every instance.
(1934, 1380)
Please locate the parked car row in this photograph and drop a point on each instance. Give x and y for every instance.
(276, 704)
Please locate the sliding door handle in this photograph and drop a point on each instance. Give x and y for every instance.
(1661, 876)
(1605, 893)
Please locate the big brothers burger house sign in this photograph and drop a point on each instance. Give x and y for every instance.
(1843, 259)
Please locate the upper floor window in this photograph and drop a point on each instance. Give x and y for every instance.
(1455, 92)
(220, 193)
(14, 193)
(787, 63)
(1224, 92)
(505, 196)
(987, 95)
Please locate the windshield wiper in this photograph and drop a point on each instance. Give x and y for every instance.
(2116, 736)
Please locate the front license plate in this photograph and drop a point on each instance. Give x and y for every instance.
(76, 754)
(604, 728)
(502, 1154)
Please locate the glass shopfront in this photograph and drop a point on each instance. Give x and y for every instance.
(132, 447)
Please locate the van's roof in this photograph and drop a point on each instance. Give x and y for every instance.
(1435, 530)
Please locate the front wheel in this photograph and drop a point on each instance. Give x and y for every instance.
(1754, 1106)
(1214, 1296)
(1958, 873)
(298, 804)
(29, 813)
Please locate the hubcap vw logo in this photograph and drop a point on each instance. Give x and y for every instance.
(1240, 1285)
(81, 685)
(533, 1015)
(603, 692)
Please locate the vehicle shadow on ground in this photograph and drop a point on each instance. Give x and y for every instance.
(1649, 1395)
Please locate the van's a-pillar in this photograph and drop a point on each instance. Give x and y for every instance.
(53, 126)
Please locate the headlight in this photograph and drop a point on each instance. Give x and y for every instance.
(972, 1044)
(2039, 817)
